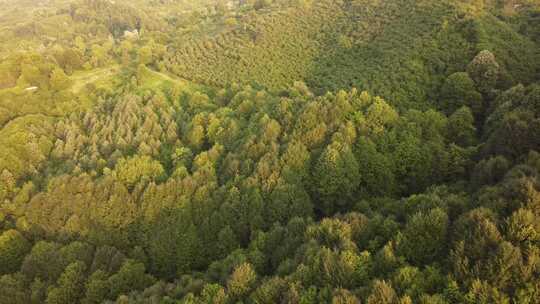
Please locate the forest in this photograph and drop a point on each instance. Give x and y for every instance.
(270, 151)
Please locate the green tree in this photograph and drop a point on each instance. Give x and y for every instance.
(413, 163)
(241, 280)
(138, 169)
(424, 237)
(376, 170)
(59, 80)
(13, 290)
(461, 129)
(336, 177)
(378, 116)
(458, 91)
(490, 171)
(524, 227)
(38, 292)
(70, 285)
(145, 54)
(213, 294)
(476, 238)
(97, 288)
(482, 292)
(130, 277)
(43, 262)
(485, 71)
(343, 296)
(382, 293)
(13, 249)
(227, 241)
(270, 291)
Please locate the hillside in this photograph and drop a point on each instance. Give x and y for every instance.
(269, 151)
(401, 50)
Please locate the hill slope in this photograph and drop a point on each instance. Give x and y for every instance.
(170, 151)
(401, 50)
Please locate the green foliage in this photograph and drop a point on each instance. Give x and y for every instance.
(131, 276)
(97, 288)
(138, 169)
(59, 80)
(13, 249)
(484, 70)
(424, 237)
(376, 171)
(382, 293)
(336, 176)
(175, 151)
(12, 290)
(43, 262)
(459, 90)
(511, 127)
(461, 129)
(241, 280)
(69, 286)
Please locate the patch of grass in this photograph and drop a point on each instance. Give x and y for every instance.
(97, 76)
(151, 79)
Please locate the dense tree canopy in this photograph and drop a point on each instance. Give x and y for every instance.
(276, 151)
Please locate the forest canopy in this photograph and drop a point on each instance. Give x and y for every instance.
(269, 151)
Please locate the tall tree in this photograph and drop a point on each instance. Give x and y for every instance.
(13, 249)
(335, 177)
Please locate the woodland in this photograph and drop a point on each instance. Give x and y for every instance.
(270, 151)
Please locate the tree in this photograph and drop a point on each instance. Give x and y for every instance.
(138, 168)
(43, 262)
(38, 291)
(145, 55)
(461, 128)
(227, 241)
(77, 251)
(376, 174)
(378, 116)
(59, 80)
(484, 70)
(482, 292)
(213, 293)
(458, 91)
(332, 233)
(70, 286)
(382, 293)
(7, 184)
(490, 171)
(13, 248)
(424, 236)
(130, 277)
(335, 177)
(241, 280)
(413, 163)
(270, 291)
(343, 296)
(97, 288)
(524, 227)
(13, 290)
(476, 237)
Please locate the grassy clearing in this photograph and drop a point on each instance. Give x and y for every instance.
(82, 78)
(151, 79)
